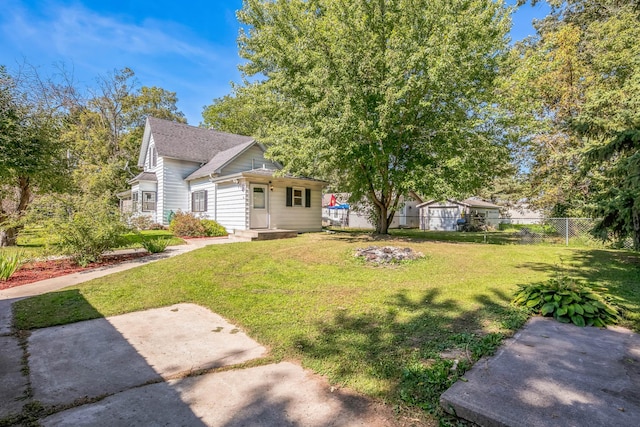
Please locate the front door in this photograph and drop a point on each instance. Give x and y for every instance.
(259, 206)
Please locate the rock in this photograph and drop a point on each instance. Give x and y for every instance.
(387, 254)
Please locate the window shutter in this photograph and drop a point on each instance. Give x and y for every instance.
(193, 202)
(289, 196)
(206, 195)
(307, 197)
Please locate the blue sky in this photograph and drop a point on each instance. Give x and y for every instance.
(188, 47)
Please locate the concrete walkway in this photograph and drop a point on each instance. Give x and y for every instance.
(553, 374)
(178, 365)
(56, 283)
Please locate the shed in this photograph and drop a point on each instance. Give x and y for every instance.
(447, 215)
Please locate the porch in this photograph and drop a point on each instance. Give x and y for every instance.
(263, 234)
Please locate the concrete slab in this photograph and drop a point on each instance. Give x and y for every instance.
(105, 356)
(6, 316)
(183, 338)
(13, 385)
(553, 374)
(274, 395)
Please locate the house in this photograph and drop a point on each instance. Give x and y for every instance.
(218, 176)
(447, 215)
(523, 214)
(345, 215)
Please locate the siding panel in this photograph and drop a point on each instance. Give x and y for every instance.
(253, 158)
(174, 189)
(295, 218)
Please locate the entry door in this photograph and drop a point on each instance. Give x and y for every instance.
(259, 206)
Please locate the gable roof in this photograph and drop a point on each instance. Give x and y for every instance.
(470, 202)
(220, 160)
(184, 142)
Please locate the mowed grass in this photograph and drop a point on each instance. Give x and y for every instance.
(389, 332)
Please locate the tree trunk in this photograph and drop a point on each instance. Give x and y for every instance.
(8, 237)
(9, 234)
(382, 223)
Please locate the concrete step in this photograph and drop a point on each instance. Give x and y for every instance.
(250, 235)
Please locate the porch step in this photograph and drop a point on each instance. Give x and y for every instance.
(250, 235)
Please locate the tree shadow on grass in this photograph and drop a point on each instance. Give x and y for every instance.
(617, 271)
(412, 351)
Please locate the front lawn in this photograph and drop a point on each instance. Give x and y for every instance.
(401, 334)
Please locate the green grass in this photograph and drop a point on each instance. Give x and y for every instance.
(134, 240)
(385, 332)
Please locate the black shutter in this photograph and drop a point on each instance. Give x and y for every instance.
(206, 204)
(289, 196)
(193, 202)
(307, 197)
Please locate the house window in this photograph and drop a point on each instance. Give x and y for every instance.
(148, 201)
(153, 156)
(199, 201)
(134, 200)
(298, 197)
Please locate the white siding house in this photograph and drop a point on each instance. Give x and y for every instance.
(218, 176)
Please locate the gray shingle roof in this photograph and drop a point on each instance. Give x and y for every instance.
(144, 176)
(219, 160)
(185, 142)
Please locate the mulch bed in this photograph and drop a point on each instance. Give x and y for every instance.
(41, 270)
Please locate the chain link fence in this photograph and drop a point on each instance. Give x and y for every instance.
(525, 231)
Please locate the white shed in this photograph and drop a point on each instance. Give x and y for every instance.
(447, 215)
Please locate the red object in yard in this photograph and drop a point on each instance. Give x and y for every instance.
(333, 200)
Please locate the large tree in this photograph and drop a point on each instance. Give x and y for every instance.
(32, 157)
(105, 130)
(382, 96)
(575, 86)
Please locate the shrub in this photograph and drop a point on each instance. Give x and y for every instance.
(140, 222)
(186, 224)
(212, 228)
(9, 263)
(155, 246)
(87, 232)
(157, 226)
(567, 301)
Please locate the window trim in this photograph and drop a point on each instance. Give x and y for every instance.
(300, 197)
(146, 203)
(202, 196)
(153, 156)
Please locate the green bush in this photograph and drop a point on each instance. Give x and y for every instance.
(155, 246)
(9, 263)
(186, 224)
(90, 229)
(212, 228)
(567, 301)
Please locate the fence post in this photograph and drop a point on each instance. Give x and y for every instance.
(566, 231)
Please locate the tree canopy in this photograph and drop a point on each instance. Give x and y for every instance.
(383, 96)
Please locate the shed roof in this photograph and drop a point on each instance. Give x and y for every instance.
(470, 202)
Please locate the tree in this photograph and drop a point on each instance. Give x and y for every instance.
(32, 158)
(246, 111)
(105, 131)
(382, 96)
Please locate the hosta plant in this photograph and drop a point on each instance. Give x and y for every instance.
(567, 301)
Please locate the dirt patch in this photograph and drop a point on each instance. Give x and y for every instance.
(41, 270)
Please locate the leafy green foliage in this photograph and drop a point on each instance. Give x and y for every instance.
(9, 263)
(366, 94)
(567, 301)
(186, 224)
(92, 228)
(155, 246)
(213, 228)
